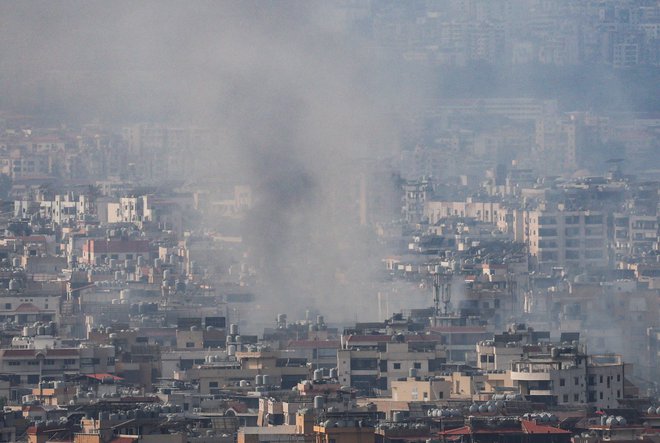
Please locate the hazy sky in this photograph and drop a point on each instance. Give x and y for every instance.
(296, 98)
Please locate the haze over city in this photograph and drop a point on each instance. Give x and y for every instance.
(330, 221)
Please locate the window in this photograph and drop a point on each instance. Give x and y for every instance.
(33, 363)
(572, 232)
(565, 399)
(593, 220)
(562, 382)
(618, 377)
(49, 362)
(548, 256)
(572, 255)
(33, 379)
(69, 361)
(190, 344)
(213, 384)
(417, 365)
(7, 305)
(600, 380)
(14, 363)
(397, 366)
(593, 243)
(576, 381)
(547, 244)
(601, 395)
(576, 397)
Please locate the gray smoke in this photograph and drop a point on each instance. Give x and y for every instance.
(297, 99)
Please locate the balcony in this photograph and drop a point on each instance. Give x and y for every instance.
(531, 376)
(540, 392)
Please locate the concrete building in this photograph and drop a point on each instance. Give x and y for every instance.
(419, 389)
(569, 377)
(376, 367)
(573, 239)
(97, 250)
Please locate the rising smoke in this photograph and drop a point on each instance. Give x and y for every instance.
(298, 101)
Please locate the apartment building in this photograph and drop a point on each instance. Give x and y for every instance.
(568, 377)
(635, 234)
(484, 211)
(280, 371)
(377, 366)
(573, 239)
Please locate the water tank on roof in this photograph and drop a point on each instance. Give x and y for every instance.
(267, 380)
(41, 330)
(318, 375)
(233, 329)
(319, 402)
(483, 408)
(16, 262)
(231, 350)
(14, 285)
(157, 263)
(397, 417)
(657, 411)
(650, 410)
(244, 383)
(258, 380)
(412, 372)
(334, 373)
(474, 408)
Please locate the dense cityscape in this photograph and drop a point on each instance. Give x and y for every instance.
(360, 221)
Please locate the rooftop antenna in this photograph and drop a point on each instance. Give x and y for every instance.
(441, 294)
